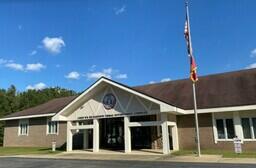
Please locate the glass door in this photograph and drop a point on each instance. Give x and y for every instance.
(112, 133)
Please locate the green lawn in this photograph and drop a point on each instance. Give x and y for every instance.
(225, 154)
(25, 150)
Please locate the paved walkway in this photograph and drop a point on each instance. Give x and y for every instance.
(140, 156)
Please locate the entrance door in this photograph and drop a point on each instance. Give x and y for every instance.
(112, 133)
(141, 137)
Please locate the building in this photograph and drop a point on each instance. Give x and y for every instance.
(155, 116)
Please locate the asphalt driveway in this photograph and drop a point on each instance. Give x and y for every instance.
(64, 163)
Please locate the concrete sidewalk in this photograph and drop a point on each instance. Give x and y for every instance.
(140, 156)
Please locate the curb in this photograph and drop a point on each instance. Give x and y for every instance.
(149, 158)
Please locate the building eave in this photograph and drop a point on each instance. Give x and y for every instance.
(164, 107)
(223, 109)
(28, 116)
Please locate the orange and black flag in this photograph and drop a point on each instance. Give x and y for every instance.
(193, 67)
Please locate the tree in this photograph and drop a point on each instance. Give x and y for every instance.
(12, 101)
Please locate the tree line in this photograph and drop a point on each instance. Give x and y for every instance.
(12, 100)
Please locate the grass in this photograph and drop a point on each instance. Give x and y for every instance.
(225, 154)
(26, 150)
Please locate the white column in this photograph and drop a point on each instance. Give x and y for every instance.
(69, 137)
(175, 137)
(86, 139)
(214, 128)
(165, 133)
(237, 125)
(127, 135)
(96, 139)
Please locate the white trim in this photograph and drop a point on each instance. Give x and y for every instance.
(165, 133)
(249, 140)
(26, 121)
(47, 127)
(214, 128)
(171, 123)
(82, 127)
(253, 136)
(144, 124)
(225, 140)
(223, 109)
(69, 142)
(225, 129)
(26, 117)
(96, 135)
(251, 128)
(117, 99)
(164, 107)
(237, 125)
(127, 135)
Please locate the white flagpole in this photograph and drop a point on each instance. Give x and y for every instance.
(194, 90)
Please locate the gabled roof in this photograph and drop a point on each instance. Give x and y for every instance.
(219, 90)
(236, 88)
(51, 107)
(164, 106)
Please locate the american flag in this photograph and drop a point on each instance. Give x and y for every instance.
(193, 67)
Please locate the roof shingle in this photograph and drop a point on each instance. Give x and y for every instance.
(52, 106)
(218, 90)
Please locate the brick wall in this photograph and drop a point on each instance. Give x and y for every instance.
(186, 133)
(37, 136)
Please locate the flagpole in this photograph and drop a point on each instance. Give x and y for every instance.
(194, 92)
(196, 121)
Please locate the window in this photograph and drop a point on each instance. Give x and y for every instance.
(23, 127)
(246, 128)
(225, 128)
(254, 126)
(52, 127)
(230, 128)
(220, 129)
(249, 128)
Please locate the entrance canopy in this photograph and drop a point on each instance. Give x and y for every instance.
(107, 98)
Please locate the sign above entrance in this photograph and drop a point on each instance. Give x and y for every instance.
(109, 101)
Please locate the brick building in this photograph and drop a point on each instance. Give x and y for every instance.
(110, 115)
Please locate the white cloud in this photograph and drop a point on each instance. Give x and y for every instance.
(104, 73)
(92, 68)
(57, 65)
(38, 86)
(34, 67)
(53, 44)
(121, 10)
(4, 61)
(253, 53)
(165, 79)
(19, 27)
(97, 75)
(251, 66)
(107, 72)
(34, 52)
(15, 66)
(121, 76)
(73, 75)
(162, 80)
(19, 67)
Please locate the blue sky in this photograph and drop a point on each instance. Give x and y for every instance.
(71, 43)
